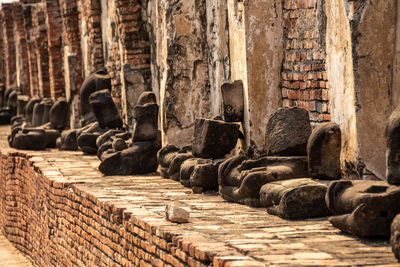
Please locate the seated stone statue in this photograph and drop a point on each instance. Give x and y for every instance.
(395, 237)
(68, 140)
(41, 134)
(138, 155)
(97, 81)
(9, 108)
(364, 208)
(295, 198)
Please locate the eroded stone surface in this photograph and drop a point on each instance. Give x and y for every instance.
(214, 138)
(294, 199)
(288, 131)
(323, 150)
(104, 109)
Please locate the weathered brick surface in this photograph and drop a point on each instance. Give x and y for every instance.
(90, 13)
(60, 211)
(304, 78)
(54, 33)
(41, 53)
(21, 48)
(9, 44)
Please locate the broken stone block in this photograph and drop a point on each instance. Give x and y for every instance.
(58, 115)
(68, 140)
(392, 135)
(233, 99)
(41, 112)
(140, 158)
(105, 110)
(97, 81)
(295, 199)
(187, 168)
(213, 138)
(395, 237)
(364, 208)
(287, 132)
(146, 123)
(323, 150)
(241, 179)
(176, 214)
(205, 176)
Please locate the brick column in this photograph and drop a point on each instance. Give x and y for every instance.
(21, 49)
(9, 45)
(90, 28)
(39, 34)
(2, 55)
(54, 34)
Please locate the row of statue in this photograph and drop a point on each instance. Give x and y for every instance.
(298, 176)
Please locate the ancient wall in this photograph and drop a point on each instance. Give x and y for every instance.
(361, 48)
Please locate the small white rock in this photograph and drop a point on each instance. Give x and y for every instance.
(176, 214)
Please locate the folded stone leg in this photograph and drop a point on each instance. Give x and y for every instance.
(295, 199)
(140, 158)
(363, 208)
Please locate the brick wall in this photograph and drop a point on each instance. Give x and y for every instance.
(9, 44)
(21, 48)
(56, 223)
(304, 78)
(54, 34)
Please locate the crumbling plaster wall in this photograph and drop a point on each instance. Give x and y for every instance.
(361, 48)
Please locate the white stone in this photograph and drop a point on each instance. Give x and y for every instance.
(176, 214)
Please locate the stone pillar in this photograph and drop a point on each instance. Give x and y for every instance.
(361, 38)
(187, 85)
(22, 61)
(9, 45)
(264, 54)
(54, 34)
